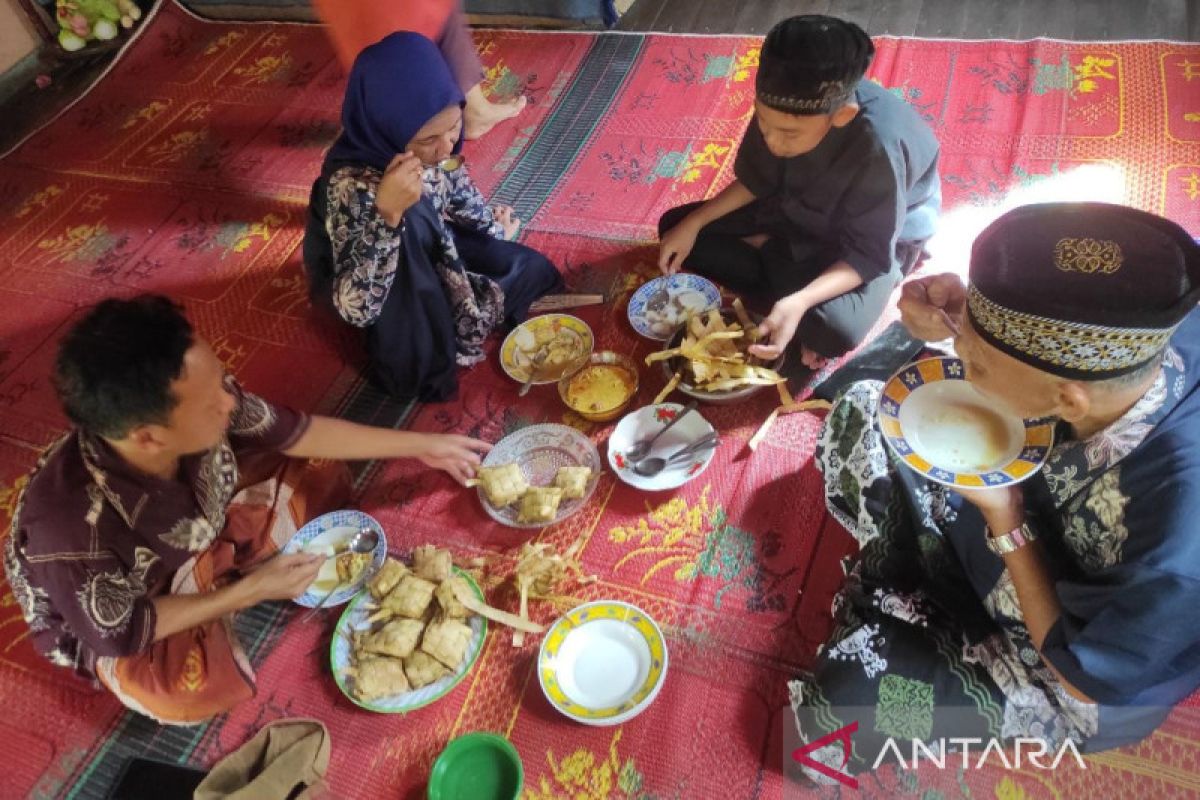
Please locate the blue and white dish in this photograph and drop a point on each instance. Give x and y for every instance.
(686, 294)
(327, 532)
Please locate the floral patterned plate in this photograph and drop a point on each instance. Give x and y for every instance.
(331, 530)
(646, 422)
(539, 450)
(685, 293)
(941, 427)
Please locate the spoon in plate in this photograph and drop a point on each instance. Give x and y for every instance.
(652, 465)
(365, 541)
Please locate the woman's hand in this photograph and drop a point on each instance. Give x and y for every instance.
(925, 303)
(456, 455)
(399, 188)
(508, 220)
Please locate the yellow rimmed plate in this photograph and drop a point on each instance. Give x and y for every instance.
(603, 663)
(576, 343)
(943, 428)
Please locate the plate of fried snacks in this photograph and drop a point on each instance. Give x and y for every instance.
(661, 305)
(943, 428)
(602, 387)
(413, 635)
(603, 663)
(707, 358)
(329, 535)
(552, 345)
(538, 476)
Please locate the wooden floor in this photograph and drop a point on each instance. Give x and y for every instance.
(1082, 20)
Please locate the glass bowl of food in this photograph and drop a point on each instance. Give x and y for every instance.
(602, 388)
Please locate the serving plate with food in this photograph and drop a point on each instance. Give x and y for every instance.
(939, 425)
(538, 476)
(601, 389)
(708, 358)
(659, 306)
(343, 572)
(549, 346)
(409, 639)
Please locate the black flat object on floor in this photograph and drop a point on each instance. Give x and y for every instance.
(878, 361)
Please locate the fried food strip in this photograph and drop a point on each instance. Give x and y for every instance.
(789, 408)
(670, 387)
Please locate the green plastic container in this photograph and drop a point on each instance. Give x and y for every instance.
(477, 766)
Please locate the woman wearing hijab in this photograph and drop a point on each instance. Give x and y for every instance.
(400, 241)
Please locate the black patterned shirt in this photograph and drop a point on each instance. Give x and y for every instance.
(94, 540)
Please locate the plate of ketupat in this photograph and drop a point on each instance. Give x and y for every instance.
(409, 639)
(538, 476)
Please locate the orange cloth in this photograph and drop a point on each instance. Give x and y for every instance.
(194, 674)
(356, 24)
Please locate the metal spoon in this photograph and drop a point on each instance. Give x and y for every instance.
(642, 448)
(535, 364)
(649, 467)
(365, 541)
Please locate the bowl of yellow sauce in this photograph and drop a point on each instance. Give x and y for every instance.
(601, 389)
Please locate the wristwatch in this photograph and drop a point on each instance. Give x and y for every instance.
(1008, 542)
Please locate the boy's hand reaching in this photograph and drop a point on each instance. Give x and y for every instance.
(676, 246)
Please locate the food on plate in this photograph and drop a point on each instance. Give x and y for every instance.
(562, 347)
(409, 599)
(504, 484)
(963, 437)
(681, 304)
(447, 641)
(383, 581)
(396, 638)
(600, 387)
(376, 677)
(573, 481)
(448, 601)
(422, 669)
(540, 504)
(713, 354)
(432, 563)
(350, 566)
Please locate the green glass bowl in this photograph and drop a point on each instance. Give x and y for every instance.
(477, 766)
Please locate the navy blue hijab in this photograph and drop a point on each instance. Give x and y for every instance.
(396, 85)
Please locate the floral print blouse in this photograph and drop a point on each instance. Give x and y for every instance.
(368, 253)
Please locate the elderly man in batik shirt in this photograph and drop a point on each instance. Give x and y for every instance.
(1061, 608)
(163, 511)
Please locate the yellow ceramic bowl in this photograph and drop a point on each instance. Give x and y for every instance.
(602, 388)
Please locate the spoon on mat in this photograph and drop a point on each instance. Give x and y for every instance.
(649, 467)
(365, 541)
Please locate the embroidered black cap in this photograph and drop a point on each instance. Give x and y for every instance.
(1082, 290)
(810, 64)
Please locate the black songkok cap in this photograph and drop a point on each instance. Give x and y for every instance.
(1082, 290)
(810, 64)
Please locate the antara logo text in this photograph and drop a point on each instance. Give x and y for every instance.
(1033, 752)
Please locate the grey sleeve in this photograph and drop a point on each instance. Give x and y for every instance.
(872, 215)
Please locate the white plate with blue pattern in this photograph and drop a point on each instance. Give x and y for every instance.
(329, 531)
(686, 294)
(354, 619)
